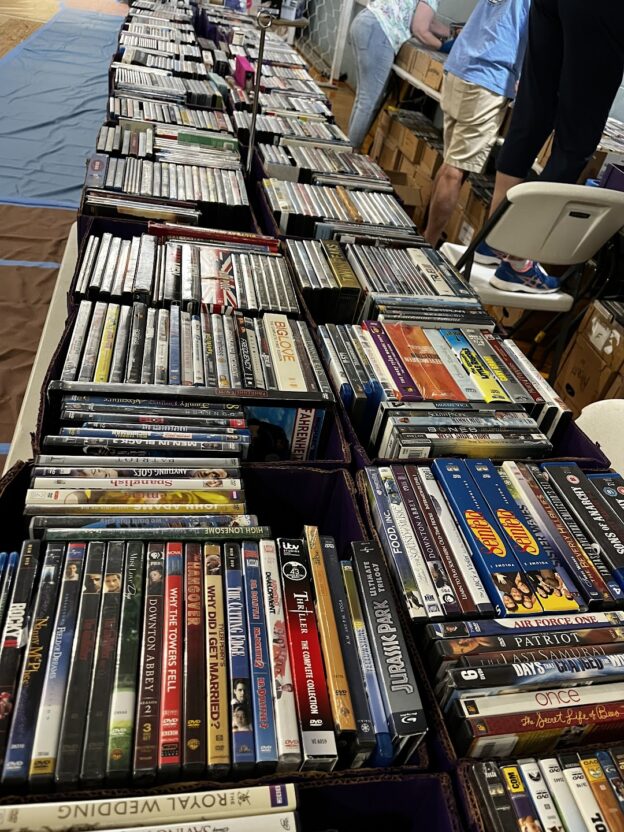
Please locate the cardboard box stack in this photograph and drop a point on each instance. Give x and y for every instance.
(592, 368)
(472, 209)
(409, 148)
(422, 64)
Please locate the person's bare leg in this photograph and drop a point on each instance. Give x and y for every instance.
(502, 184)
(446, 188)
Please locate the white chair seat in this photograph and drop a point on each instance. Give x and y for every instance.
(602, 422)
(490, 295)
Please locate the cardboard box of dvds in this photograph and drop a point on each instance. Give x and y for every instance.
(390, 154)
(583, 377)
(407, 56)
(435, 74)
(421, 64)
(592, 360)
(431, 159)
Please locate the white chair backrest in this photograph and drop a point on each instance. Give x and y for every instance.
(558, 224)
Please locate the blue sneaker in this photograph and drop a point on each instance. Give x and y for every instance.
(533, 279)
(486, 255)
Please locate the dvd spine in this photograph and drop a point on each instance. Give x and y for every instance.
(453, 535)
(492, 797)
(242, 733)
(288, 743)
(613, 776)
(406, 717)
(487, 385)
(401, 379)
(145, 756)
(53, 699)
(217, 718)
(397, 556)
(592, 555)
(20, 740)
(565, 803)
(123, 702)
(13, 633)
(589, 580)
(582, 794)
(170, 734)
(262, 689)
(400, 516)
(318, 741)
(541, 797)
(337, 681)
(602, 526)
(527, 544)
(447, 589)
(605, 797)
(485, 539)
(460, 585)
(159, 809)
(518, 795)
(384, 750)
(94, 754)
(195, 683)
(77, 696)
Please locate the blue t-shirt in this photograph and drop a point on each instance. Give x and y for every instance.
(490, 48)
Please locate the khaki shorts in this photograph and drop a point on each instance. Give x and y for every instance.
(472, 119)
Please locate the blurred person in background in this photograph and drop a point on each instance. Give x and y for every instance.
(480, 79)
(572, 71)
(377, 34)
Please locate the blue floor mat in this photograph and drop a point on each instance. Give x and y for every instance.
(53, 95)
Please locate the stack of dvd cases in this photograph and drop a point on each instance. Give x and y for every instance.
(221, 276)
(312, 210)
(416, 391)
(170, 143)
(530, 685)
(215, 650)
(144, 344)
(287, 103)
(468, 538)
(323, 166)
(570, 791)
(407, 284)
(192, 191)
(286, 418)
(270, 129)
(163, 112)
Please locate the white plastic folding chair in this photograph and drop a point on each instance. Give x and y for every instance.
(562, 225)
(602, 422)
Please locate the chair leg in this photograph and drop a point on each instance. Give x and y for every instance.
(517, 326)
(560, 345)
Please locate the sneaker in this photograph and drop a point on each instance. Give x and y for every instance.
(531, 279)
(486, 255)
